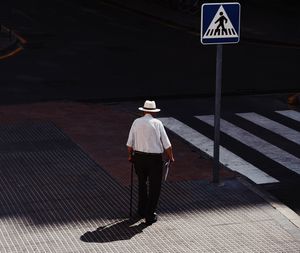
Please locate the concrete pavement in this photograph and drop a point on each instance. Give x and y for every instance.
(65, 188)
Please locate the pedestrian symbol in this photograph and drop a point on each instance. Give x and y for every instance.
(220, 23)
(220, 26)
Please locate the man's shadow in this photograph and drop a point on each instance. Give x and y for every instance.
(121, 230)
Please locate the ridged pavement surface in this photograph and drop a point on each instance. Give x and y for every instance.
(55, 198)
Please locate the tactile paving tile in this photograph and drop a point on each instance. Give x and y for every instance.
(55, 198)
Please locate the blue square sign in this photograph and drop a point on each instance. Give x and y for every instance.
(220, 23)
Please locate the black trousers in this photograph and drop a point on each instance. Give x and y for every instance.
(148, 168)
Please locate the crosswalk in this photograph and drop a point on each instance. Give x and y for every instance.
(213, 32)
(274, 126)
(234, 161)
(290, 114)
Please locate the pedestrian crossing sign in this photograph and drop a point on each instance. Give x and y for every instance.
(220, 23)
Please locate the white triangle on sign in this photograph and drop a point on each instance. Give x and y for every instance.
(220, 26)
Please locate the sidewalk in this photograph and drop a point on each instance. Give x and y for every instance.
(65, 188)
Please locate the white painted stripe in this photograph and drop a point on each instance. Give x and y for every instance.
(227, 158)
(278, 155)
(273, 126)
(290, 114)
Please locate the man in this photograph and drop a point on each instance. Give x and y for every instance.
(146, 144)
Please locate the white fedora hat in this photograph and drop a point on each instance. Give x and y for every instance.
(149, 106)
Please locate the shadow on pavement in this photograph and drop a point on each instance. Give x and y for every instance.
(121, 230)
(46, 179)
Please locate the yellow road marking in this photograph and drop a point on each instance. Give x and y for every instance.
(11, 53)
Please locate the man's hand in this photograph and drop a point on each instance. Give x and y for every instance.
(130, 152)
(169, 153)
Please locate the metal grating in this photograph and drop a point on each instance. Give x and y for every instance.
(54, 198)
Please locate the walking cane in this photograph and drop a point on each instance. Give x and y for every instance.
(131, 186)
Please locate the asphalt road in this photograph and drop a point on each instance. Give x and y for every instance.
(77, 51)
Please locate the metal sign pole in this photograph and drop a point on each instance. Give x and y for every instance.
(220, 24)
(216, 176)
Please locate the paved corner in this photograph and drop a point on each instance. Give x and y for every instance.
(55, 198)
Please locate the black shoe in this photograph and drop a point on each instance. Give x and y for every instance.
(151, 220)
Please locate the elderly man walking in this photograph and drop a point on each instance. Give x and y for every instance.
(146, 144)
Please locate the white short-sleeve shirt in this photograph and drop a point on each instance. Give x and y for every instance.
(148, 135)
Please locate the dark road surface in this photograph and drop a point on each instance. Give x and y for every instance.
(77, 51)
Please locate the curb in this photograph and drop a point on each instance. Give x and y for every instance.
(274, 202)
